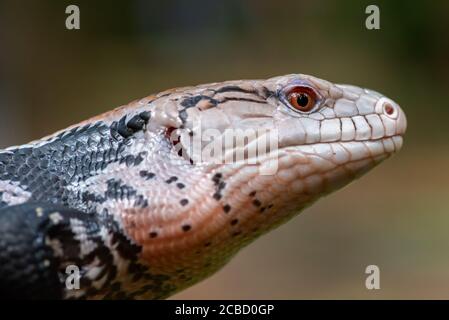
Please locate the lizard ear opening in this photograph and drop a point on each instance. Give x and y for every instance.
(175, 139)
(173, 135)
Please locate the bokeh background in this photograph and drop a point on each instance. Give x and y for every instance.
(396, 217)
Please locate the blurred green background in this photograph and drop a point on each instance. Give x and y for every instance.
(396, 217)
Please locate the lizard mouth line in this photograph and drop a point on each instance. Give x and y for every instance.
(254, 153)
(396, 139)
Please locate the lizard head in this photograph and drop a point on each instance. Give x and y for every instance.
(242, 157)
(181, 181)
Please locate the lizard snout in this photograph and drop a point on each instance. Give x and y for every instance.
(393, 119)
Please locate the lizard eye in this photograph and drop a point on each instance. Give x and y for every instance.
(302, 98)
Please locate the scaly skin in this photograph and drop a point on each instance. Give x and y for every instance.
(127, 198)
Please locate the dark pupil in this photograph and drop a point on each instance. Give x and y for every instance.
(302, 100)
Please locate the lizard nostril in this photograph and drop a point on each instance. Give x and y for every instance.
(388, 109)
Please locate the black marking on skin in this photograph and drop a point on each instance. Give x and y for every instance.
(116, 190)
(140, 157)
(226, 99)
(124, 247)
(218, 195)
(127, 128)
(252, 194)
(184, 202)
(87, 197)
(192, 102)
(265, 94)
(207, 244)
(257, 202)
(217, 177)
(146, 115)
(186, 227)
(71, 247)
(171, 179)
(103, 253)
(137, 270)
(129, 160)
(180, 185)
(123, 129)
(141, 202)
(136, 123)
(236, 233)
(119, 191)
(183, 116)
(234, 222)
(268, 93)
(147, 175)
(219, 186)
(114, 131)
(226, 208)
(233, 88)
(262, 209)
(155, 283)
(153, 234)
